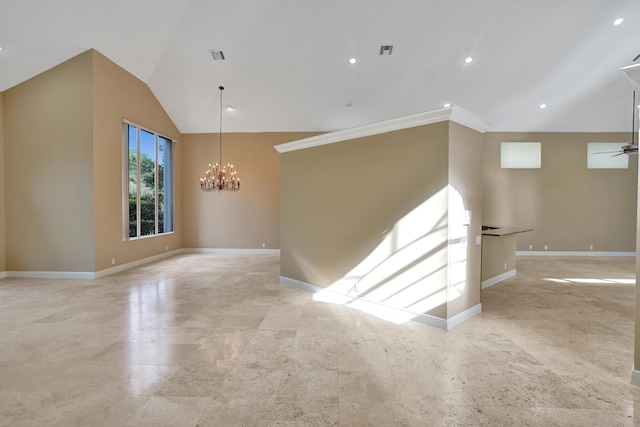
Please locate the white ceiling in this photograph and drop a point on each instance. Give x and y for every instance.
(287, 60)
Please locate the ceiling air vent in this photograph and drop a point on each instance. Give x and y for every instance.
(386, 50)
(218, 55)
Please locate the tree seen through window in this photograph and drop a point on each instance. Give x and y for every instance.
(150, 183)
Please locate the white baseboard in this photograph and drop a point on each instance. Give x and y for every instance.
(384, 311)
(88, 274)
(499, 278)
(230, 251)
(459, 318)
(574, 253)
(635, 377)
(51, 274)
(123, 267)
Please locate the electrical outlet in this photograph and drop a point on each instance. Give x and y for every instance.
(505, 265)
(530, 247)
(113, 261)
(545, 247)
(167, 247)
(264, 245)
(590, 247)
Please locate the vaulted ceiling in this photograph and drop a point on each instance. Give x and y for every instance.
(287, 67)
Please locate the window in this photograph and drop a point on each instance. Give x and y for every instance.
(520, 155)
(606, 155)
(149, 177)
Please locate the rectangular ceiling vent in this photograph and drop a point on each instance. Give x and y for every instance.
(386, 50)
(218, 55)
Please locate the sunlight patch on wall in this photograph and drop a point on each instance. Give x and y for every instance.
(408, 273)
(459, 219)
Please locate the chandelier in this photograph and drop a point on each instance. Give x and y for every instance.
(220, 177)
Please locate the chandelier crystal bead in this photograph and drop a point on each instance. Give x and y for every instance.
(220, 177)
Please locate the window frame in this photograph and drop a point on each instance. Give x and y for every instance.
(520, 155)
(610, 161)
(169, 187)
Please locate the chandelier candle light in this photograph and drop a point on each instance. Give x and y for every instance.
(219, 177)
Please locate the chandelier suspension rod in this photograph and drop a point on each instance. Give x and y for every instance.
(220, 134)
(220, 177)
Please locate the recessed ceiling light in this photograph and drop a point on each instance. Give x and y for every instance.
(0, 48)
(543, 106)
(352, 60)
(447, 105)
(230, 108)
(618, 21)
(468, 60)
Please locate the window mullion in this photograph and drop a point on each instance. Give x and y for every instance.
(137, 140)
(155, 180)
(138, 226)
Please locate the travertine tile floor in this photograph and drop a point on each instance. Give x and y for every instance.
(215, 340)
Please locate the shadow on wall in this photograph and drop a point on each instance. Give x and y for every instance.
(420, 265)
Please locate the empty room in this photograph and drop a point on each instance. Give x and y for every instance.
(269, 213)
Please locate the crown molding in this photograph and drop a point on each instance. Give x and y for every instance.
(454, 114)
(469, 119)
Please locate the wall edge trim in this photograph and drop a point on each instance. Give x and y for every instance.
(230, 251)
(51, 274)
(499, 278)
(635, 377)
(136, 263)
(425, 319)
(574, 253)
(463, 316)
(126, 266)
(454, 114)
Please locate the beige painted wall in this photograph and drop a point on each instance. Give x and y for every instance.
(63, 160)
(242, 220)
(465, 180)
(49, 176)
(636, 343)
(3, 264)
(366, 198)
(498, 255)
(569, 206)
(119, 95)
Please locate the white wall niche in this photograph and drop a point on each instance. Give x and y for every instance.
(520, 155)
(606, 155)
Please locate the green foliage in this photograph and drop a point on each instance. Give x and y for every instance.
(146, 185)
(147, 218)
